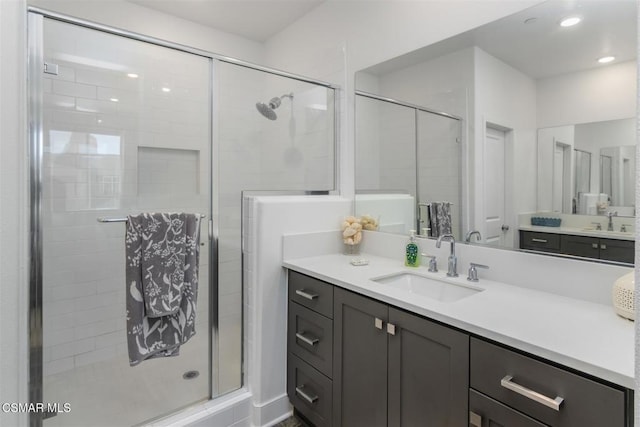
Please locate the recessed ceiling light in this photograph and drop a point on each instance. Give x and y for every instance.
(166, 89)
(570, 21)
(114, 99)
(99, 120)
(606, 59)
(132, 75)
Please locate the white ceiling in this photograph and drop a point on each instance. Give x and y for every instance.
(253, 19)
(541, 48)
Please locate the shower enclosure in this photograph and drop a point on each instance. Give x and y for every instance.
(123, 124)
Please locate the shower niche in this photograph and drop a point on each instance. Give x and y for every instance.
(170, 171)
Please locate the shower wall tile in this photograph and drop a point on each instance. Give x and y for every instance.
(74, 89)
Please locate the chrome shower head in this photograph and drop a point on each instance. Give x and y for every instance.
(267, 110)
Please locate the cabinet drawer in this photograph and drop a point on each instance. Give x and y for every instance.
(486, 412)
(311, 293)
(547, 242)
(585, 402)
(310, 337)
(309, 391)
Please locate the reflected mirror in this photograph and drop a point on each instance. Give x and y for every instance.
(512, 120)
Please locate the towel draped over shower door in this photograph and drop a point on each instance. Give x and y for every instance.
(162, 258)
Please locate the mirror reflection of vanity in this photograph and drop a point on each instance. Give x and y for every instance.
(513, 120)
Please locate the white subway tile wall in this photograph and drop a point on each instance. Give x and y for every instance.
(116, 145)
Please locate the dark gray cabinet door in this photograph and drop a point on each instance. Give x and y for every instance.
(617, 250)
(428, 373)
(359, 361)
(486, 412)
(580, 246)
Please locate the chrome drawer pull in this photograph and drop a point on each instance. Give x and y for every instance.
(307, 340)
(305, 396)
(306, 295)
(539, 240)
(533, 395)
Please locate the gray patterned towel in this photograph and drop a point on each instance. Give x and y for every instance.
(151, 288)
(440, 218)
(163, 261)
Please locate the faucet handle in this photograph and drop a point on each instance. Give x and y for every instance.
(623, 228)
(433, 263)
(598, 225)
(472, 276)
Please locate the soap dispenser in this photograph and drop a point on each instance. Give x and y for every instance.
(412, 252)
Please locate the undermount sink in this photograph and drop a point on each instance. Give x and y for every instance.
(427, 286)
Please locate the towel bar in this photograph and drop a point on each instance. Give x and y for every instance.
(103, 219)
(429, 204)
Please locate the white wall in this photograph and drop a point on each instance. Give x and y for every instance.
(505, 97)
(606, 93)
(266, 220)
(132, 17)
(362, 32)
(13, 210)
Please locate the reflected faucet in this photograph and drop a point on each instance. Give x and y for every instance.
(453, 261)
(610, 216)
(467, 238)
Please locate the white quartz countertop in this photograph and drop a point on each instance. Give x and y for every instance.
(578, 334)
(586, 231)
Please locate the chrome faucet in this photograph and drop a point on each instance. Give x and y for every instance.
(470, 233)
(610, 215)
(453, 261)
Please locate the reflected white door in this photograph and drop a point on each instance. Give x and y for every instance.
(494, 187)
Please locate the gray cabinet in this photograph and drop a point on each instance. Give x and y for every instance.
(394, 368)
(534, 389)
(428, 372)
(359, 361)
(487, 412)
(583, 246)
(536, 241)
(355, 361)
(310, 348)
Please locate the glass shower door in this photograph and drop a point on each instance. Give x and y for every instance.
(125, 130)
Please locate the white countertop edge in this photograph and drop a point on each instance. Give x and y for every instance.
(614, 374)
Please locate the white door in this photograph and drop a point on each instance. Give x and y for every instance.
(494, 186)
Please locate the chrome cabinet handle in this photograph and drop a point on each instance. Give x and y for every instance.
(475, 420)
(305, 396)
(305, 294)
(594, 245)
(603, 246)
(539, 240)
(554, 404)
(307, 340)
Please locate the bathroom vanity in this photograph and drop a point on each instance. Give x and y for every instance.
(595, 244)
(367, 348)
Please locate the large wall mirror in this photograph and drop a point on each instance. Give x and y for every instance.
(513, 119)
